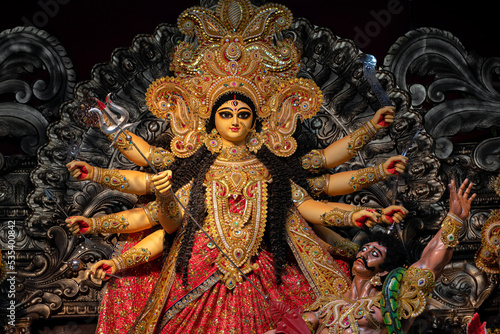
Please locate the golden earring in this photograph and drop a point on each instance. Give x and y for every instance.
(213, 142)
(254, 141)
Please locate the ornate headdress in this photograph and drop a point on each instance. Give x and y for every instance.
(236, 50)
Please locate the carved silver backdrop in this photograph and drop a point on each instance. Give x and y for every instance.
(428, 73)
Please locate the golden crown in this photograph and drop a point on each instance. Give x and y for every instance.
(236, 49)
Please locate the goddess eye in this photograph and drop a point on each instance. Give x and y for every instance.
(225, 114)
(244, 115)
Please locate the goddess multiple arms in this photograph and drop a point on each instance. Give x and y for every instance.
(340, 214)
(346, 182)
(128, 221)
(144, 251)
(128, 181)
(347, 147)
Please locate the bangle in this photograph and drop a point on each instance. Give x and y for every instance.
(339, 217)
(110, 178)
(299, 195)
(160, 157)
(451, 228)
(121, 143)
(167, 205)
(367, 176)
(314, 161)
(361, 137)
(150, 187)
(131, 258)
(108, 224)
(151, 210)
(319, 185)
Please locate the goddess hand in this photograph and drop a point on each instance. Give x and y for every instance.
(383, 117)
(460, 202)
(366, 217)
(78, 224)
(395, 165)
(393, 214)
(80, 170)
(103, 269)
(162, 183)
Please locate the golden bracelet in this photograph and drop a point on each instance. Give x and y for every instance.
(168, 206)
(319, 185)
(131, 258)
(110, 178)
(160, 157)
(314, 161)
(108, 224)
(151, 210)
(150, 187)
(121, 143)
(338, 218)
(361, 137)
(452, 226)
(299, 195)
(367, 176)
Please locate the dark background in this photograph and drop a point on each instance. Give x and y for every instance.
(90, 29)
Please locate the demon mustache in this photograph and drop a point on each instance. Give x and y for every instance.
(365, 263)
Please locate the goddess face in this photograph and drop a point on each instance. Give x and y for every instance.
(233, 121)
(369, 259)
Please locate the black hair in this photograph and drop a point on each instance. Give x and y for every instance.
(279, 202)
(229, 96)
(395, 254)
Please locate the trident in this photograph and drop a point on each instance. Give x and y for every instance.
(117, 117)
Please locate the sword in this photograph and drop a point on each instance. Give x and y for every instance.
(369, 63)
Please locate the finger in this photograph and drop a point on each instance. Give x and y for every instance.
(469, 188)
(453, 190)
(163, 187)
(462, 187)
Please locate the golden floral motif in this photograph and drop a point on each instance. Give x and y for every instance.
(314, 161)
(367, 176)
(227, 59)
(361, 137)
(237, 211)
(417, 284)
(452, 226)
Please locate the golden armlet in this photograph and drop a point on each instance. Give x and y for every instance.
(367, 176)
(339, 217)
(108, 224)
(168, 206)
(314, 161)
(319, 185)
(299, 195)
(451, 226)
(121, 143)
(361, 137)
(131, 258)
(151, 210)
(110, 178)
(160, 157)
(150, 187)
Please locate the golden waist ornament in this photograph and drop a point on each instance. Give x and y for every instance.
(237, 212)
